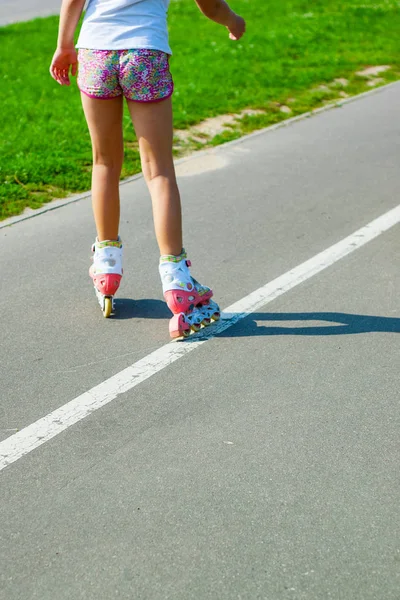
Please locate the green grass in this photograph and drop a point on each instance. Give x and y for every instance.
(290, 48)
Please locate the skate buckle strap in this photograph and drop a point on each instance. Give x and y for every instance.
(188, 263)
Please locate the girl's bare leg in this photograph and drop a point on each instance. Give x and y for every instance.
(153, 126)
(104, 119)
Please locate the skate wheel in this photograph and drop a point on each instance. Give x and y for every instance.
(216, 316)
(107, 307)
(206, 322)
(186, 333)
(196, 327)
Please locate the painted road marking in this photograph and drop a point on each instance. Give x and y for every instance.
(18, 445)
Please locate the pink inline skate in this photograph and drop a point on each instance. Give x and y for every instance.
(189, 301)
(106, 272)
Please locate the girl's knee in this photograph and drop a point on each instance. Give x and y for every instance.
(111, 161)
(152, 169)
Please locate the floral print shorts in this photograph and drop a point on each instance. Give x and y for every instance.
(141, 75)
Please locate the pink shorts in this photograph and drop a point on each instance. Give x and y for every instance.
(141, 75)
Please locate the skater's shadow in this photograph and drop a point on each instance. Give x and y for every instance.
(126, 308)
(341, 324)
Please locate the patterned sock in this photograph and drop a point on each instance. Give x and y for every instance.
(172, 258)
(107, 243)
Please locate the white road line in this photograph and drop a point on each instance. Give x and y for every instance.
(29, 438)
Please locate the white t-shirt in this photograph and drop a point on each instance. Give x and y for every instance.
(124, 25)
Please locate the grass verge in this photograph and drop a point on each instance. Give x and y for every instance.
(289, 59)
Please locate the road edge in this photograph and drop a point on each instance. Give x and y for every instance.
(59, 203)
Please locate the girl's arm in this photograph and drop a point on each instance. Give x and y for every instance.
(65, 56)
(220, 12)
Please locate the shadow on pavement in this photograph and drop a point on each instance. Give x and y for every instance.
(342, 324)
(126, 308)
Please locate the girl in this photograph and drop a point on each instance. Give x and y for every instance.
(124, 51)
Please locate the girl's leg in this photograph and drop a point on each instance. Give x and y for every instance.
(153, 125)
(104, 119)
(189, 301)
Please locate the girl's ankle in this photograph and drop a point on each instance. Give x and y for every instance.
(173, 257)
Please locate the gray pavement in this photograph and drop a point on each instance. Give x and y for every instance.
(261, 465)
(12, 11)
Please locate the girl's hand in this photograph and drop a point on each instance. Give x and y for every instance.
(63, 60)
(236, 27)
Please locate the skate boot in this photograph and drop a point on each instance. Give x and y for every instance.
(188, 300)
(106, 272)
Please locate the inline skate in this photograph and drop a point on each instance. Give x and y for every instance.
(106, 272)
(188, 300)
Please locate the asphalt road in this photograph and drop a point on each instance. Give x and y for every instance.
(23, 10)
(262, 465)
